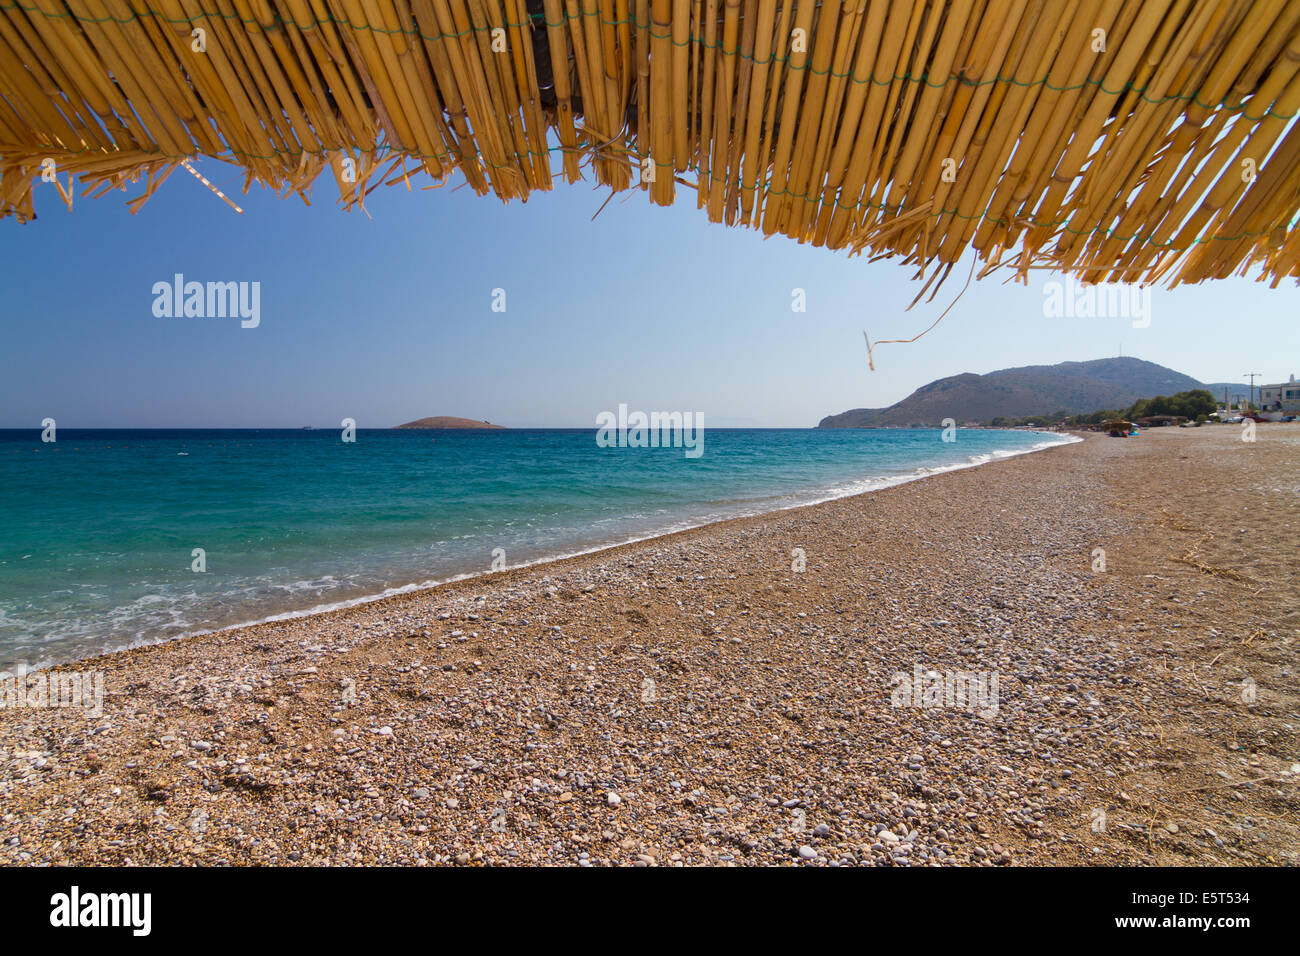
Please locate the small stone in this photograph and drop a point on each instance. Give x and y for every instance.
(807, 853)
(613, 799)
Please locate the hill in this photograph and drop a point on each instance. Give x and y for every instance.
(1071, 387)
(447, 421)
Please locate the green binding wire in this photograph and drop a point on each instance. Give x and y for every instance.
(279, 21)
(385, 149)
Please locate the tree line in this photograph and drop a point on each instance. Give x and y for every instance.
(1196, 404)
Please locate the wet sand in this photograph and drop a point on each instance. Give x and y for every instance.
(695, 699)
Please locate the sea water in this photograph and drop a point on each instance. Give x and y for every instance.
(112, 539)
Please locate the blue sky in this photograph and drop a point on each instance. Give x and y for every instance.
(389, 318)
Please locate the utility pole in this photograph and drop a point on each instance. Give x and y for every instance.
(1252, 376)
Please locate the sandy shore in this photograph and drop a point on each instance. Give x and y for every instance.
(695, 700)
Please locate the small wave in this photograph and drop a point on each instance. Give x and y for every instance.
(156, 618)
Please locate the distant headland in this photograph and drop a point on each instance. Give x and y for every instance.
(447, 421)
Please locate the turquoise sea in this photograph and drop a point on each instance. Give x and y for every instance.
(97, 547)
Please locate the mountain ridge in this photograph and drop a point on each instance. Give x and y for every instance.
(1070, 387)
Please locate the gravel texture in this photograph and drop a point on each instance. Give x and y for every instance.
(694, 700)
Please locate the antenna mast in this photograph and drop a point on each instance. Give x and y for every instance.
(1252, 376)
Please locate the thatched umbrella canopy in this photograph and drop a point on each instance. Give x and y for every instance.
(1117, 140)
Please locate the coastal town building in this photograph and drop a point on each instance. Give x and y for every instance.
(1283, 397)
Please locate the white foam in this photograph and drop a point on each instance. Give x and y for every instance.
(834, 493)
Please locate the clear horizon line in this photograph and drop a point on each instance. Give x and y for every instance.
(361, 428)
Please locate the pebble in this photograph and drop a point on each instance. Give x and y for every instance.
(538, 712)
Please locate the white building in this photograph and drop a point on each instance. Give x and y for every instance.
(1284, 397)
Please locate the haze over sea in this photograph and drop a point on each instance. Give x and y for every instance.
(97, 547)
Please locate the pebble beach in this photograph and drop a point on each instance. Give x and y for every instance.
(729, 695)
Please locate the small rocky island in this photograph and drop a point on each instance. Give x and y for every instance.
(447, 421)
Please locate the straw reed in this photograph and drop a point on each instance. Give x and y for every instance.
(1118, 141)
